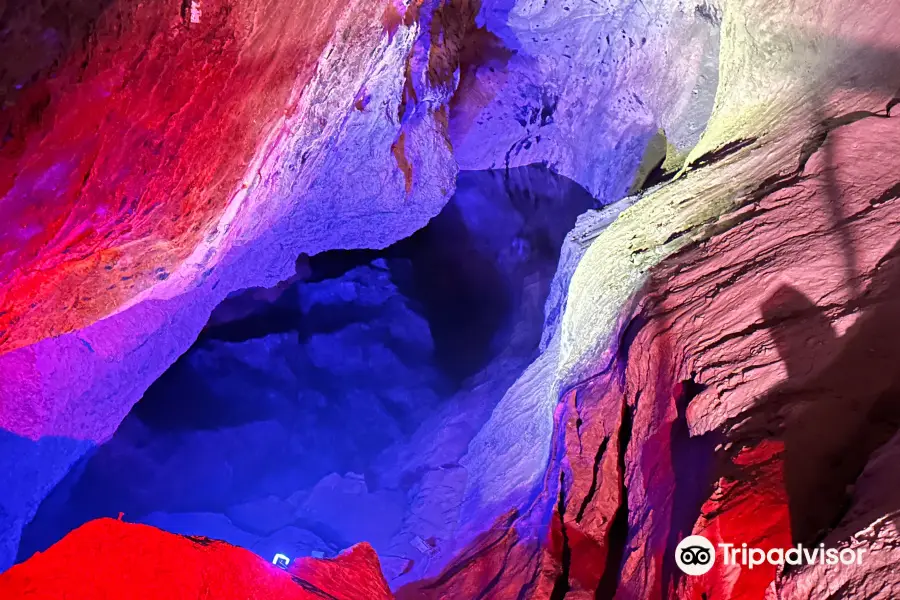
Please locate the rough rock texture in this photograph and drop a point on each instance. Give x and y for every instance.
(750, 396)
(227, 138)
(751, 424)
(751, 379)
(233, 138)
(675, 411)
(333, 409)
(111, 559)
(718, 355)
(869, 524)
(247, 79)
(583, 85)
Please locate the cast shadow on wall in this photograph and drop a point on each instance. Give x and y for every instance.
(841, 401)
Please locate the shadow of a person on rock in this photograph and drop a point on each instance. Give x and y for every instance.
(841, 400)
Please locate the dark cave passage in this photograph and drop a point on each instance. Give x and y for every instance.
(335, 407)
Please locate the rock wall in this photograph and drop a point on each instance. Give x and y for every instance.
(231, 139)
(333, 409)
(718, 355)
(226, 139)
(707, 356)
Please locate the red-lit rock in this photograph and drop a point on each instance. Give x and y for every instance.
(108, 559)
(753, 382)
(166, 109)
(749, 391)
(354, 575)
(154, 157)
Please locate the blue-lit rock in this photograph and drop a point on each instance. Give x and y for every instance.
(340, 403)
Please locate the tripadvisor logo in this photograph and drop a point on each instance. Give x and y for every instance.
(695, 555)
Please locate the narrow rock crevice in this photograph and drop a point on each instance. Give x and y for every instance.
(186, 10)
(312, 589)
(889, 194)
(720, 153)
(618, 532)
(501, 572)
(525, 592)
(890, 105)
(694, 472)
(593, 489)
(481, 549)
(629, 334)
(561, 586)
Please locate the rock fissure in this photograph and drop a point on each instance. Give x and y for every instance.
(601, 450)
(154, 159)
(618, 536)
(561, 585)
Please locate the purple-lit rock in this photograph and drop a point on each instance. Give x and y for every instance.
(340, 404)
(319, 146)
(507, 402)
(583, 86)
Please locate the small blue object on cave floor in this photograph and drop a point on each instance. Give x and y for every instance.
(335, 407)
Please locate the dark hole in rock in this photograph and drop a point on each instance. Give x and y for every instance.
(334, 408)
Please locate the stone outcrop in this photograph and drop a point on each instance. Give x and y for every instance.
(112, 559)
